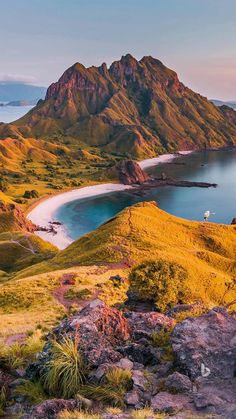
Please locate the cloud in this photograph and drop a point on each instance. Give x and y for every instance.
(16, 78)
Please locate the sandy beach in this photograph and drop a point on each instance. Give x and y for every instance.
(164, 158)
(43, 214)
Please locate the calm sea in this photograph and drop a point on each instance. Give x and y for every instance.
(82, 216)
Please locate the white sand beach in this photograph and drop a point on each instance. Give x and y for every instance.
(164, 158)
(43, 214)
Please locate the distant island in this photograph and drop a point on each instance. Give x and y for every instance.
(231, 103)
(21, 103)
(20, 92)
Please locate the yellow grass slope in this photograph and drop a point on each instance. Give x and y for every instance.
(144, 232)
(13, 151)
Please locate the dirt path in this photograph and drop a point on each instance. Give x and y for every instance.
(67, 283)
(29, 249)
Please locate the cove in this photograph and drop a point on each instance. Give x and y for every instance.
(84, 215)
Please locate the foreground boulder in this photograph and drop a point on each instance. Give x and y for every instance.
(98, 329)
(206, 345)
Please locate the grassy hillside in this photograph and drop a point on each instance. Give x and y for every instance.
(19, 250)
(40, 294)
(143, 232)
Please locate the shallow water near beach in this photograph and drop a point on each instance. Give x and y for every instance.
(84, 215)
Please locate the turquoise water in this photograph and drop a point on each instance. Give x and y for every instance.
(82, 216)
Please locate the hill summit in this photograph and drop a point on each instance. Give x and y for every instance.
(134, 107)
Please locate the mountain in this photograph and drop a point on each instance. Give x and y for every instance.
(139, 108)
(13, 91)
(231, 104)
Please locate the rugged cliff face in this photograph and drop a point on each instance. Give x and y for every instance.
(128, 172)
(135, 107)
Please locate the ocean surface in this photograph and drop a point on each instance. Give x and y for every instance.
(11, 113)
(82, 216)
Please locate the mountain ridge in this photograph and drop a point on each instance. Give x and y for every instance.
(137, 108)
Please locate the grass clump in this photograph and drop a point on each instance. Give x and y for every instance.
(66, 414)
(146, 413)
(112, 389)
(65, 372)
(3, 400)
(162, 282)
(19, 355)
(162, 340)
(32, 391)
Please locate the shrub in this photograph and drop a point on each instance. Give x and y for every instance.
(162, 282)
(31, 194)
(3, 184)
(162, 340)
(65, 372)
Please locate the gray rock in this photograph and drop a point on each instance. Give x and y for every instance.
(125, 363)
(133, 398)
(139, 379)
(169, 403)
(178, 383)
(216, 396)
(144, 324)
(208, 341)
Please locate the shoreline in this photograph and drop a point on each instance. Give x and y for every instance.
(42, 214)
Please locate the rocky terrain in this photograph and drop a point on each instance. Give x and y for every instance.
(135, 108)
(128, 172)
(12, 217)
(161, 357)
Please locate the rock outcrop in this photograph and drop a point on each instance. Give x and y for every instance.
(108, 338)
(130, 173)
(14, 218)
(208, 341)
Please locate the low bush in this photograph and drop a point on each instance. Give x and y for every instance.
(162, 282)
(31, 194)
(162, 340)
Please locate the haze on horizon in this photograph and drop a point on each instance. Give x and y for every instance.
(40, 39)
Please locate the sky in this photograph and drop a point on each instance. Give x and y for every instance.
(40, 39)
